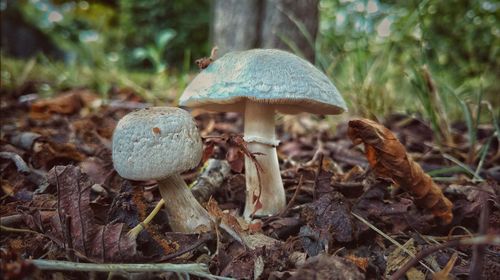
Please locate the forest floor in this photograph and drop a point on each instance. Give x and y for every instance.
(62, 200)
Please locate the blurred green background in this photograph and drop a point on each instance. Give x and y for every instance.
(382, 55)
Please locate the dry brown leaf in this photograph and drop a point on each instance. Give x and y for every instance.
(444, 274)
(226, 218)
(72, 225)
(360, 262)
(47, 154)
(67, 103)
(388, 158)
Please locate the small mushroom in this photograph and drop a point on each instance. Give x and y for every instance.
(159, 143)
(259, 83)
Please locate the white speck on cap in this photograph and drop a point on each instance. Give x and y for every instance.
(155, 143)
(268, 76)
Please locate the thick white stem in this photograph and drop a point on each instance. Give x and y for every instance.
(260, 127)
(184, 212)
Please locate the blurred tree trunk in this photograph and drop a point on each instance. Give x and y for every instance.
(284, 24)
(234, 24)
(281, 25)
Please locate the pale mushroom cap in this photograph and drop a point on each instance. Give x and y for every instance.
(265, 76)
(155, 143)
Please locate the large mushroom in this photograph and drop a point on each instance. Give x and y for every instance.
(159, 143)
(259, 83)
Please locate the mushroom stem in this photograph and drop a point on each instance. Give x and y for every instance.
(184, 212)
(261, 137)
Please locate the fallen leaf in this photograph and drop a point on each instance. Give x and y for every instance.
(226, 218)
(66, 104)
(48, 154)
(312, 241)
(360, 262)
(73, 222)
(388, 158)
(243, 266)
(330, 216)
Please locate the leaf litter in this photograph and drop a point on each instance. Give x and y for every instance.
(57, 179)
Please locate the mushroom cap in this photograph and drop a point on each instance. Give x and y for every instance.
(269, 76)
(155, 143)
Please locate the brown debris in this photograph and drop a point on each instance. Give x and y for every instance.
(360, 262)
(66, 104)
(388, 157)
(278, 247)
(13, 267)
(329, 216)
(328, 268)
(206, 61)
(72, 226)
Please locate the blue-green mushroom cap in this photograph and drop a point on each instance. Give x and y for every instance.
(267, 76)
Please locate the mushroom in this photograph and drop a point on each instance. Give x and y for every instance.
(159, 143)
(259, 83)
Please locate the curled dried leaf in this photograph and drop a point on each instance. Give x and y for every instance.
(388, 158)
(360, 262)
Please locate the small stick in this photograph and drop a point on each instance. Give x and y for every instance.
(320, 167)
(478, 251)
(319, 151)
(203, 239)
(292, 200)
(133, 233)
(11, 220)
(198, 269)
(17, 230)
(478, 240)
(347, 185)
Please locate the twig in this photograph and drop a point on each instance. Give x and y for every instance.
(318, 171)
(214, 173)
(17, 230)
(23, 168)
(320, 151)
(479, 250)
(11, 220)
(478, 240)
(21, 165)
(198, 243)
(444, 273)
(292, 200)
(390, 239)
(133, 233)
(347, 185)
(198, 269)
